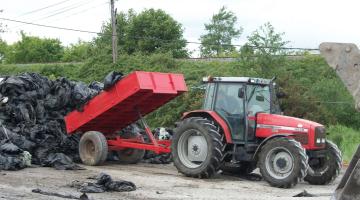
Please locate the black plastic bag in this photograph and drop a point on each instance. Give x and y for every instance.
(61, 162)
(111, 79)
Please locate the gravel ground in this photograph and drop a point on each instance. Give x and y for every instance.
(153, 182)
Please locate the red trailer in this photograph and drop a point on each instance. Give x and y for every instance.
(131, 98)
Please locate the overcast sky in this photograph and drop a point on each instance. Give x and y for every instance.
(306, 23)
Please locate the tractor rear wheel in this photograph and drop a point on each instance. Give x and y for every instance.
(324, 170)
(283, 162)
(93, 148)
(197, 147)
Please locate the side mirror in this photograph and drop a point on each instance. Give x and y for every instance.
(280, 95)
(241, 93)
(260, 98)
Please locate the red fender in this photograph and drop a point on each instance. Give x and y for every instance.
(207, 113)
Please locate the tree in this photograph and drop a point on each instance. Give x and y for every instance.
(267, 47)
(220, 33)
(3, 50)
(76, 52)
(32, 49)
(3, 44)
(151, 31)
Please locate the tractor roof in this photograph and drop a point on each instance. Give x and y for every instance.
(237, 79)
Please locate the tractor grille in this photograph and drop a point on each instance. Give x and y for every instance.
(320, 135)
(302, 138)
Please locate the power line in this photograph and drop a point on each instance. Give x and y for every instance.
(80, 12)
(152, 38)
(65, 9)
(57, 11)
(48, 26)
(43, 8)
(238, 45)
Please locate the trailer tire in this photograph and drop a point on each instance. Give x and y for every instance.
(206, 128)
(93, 148)
(283, 162)
(327, 170)
(130, 156)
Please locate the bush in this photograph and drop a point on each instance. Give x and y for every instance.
(310, 84)
(346, 138)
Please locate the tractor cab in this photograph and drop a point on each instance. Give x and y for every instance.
(237, 100)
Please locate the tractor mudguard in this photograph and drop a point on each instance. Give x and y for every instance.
(212, 114)
(266, 140)
(349, 185)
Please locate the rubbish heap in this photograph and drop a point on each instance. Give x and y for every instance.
(32, 128)
(103, 183)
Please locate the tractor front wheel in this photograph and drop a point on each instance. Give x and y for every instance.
(197, 147)
(283, 162)
(325, 169)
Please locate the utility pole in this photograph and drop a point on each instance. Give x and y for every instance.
(114, 35)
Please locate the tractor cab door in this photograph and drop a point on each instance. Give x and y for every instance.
(258, 101)
(231, 108)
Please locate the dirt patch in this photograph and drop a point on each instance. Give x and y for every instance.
(152, 181)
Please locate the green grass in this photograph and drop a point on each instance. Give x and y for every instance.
(346, 138)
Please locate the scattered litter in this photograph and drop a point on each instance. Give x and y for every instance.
(160, 134)
(67, 196)
(153, 158)
(305, 194)
(61, 162)
(104, 183)
(12, 157)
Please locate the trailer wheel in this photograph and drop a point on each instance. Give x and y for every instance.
(197, 147)
(130, 156)
(283, 162)
(324, 170)
(93, 148)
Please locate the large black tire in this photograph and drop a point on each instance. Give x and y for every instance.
(210, 131)
(130, 156)
(283, 162)
(326, 169)
(93, 148)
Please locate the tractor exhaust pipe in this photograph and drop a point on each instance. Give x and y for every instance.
(348, 188)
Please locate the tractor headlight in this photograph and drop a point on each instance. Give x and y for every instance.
(320, 134)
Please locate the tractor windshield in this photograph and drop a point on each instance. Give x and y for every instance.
(258, 99)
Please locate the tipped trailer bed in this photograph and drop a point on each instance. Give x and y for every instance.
(126, 102)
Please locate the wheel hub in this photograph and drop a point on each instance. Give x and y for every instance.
(192, 148)
(279, 163)
(195, 149)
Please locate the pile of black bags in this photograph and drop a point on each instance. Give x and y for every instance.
(32, 110)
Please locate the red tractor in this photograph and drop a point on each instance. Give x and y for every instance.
(241, 128)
